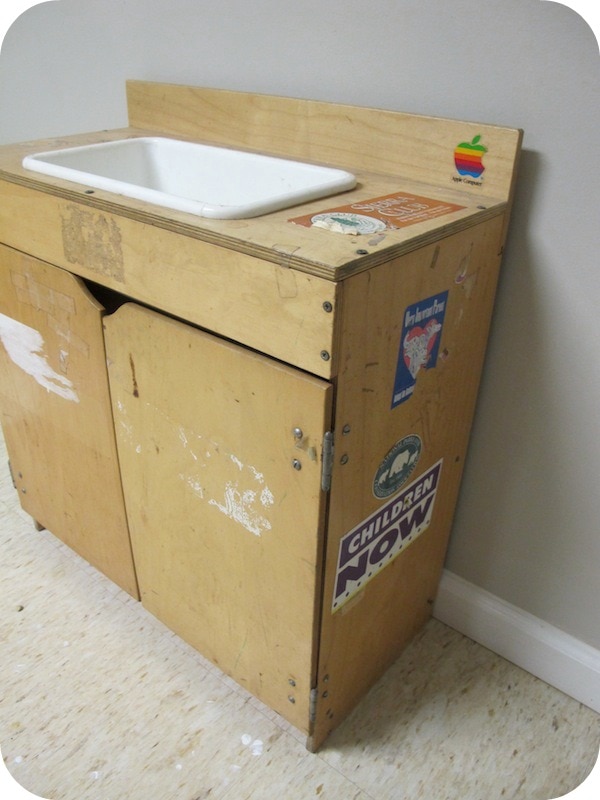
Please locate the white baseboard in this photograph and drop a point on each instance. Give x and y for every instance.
(543, 650)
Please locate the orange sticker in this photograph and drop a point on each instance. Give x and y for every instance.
(392, 211)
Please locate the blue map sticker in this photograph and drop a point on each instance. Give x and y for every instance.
(419, 343)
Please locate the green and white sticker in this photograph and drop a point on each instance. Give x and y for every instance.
(397, 466)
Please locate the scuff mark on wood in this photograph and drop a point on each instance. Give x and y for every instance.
(136, 391)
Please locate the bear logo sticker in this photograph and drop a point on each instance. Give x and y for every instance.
(397, 466)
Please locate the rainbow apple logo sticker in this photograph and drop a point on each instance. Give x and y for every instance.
(467, 157)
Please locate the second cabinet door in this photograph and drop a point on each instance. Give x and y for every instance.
(220, 451)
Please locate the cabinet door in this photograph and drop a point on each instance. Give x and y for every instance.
(56, 412)
(220, 452)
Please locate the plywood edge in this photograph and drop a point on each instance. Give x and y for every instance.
(512, 186)
(272, 238)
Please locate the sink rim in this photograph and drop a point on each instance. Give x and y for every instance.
(332, 181)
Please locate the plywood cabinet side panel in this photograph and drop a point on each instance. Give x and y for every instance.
(400, 443)
(378, 140)
(263, 305)
(224, 500)
(56, 413)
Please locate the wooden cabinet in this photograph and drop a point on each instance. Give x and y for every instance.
(281, 417)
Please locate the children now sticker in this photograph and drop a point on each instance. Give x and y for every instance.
(380, 538)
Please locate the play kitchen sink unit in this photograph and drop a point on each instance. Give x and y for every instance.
(241, 343)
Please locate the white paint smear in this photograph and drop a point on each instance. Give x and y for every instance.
(240, 501)
(237, 462)
(194, 484)
(266, 497)
(239, 506)
(257, 475)
(255, 745)
(25, 348)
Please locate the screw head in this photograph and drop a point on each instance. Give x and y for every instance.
(327, 306)
(296, 464)
(325, 355)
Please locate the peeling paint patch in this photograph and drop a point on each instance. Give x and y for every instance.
(128, 428)
(194, 485)
(41, 297)
(239, 506)
(257, 475)
(237, 462)
(208, 469)
(93, 240)
(240, 500)
(266, 497)
(25, 348)
(256, 745)
(64, 360)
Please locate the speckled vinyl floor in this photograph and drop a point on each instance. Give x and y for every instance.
(100, 702)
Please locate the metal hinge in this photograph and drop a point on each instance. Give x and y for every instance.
(12, 474)
(312, 707)
(327, 464)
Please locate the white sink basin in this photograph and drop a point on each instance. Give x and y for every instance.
(208, 181)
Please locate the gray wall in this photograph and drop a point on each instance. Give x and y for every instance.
(527, 526)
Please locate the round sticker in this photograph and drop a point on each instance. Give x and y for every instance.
(344, 222)
(397, 466)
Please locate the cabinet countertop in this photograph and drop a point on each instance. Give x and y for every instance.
(278, 237)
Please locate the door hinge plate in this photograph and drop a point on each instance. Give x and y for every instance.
(327, 461)
(312, 708)
(12, 474)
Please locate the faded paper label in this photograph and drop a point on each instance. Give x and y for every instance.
(391, 212)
